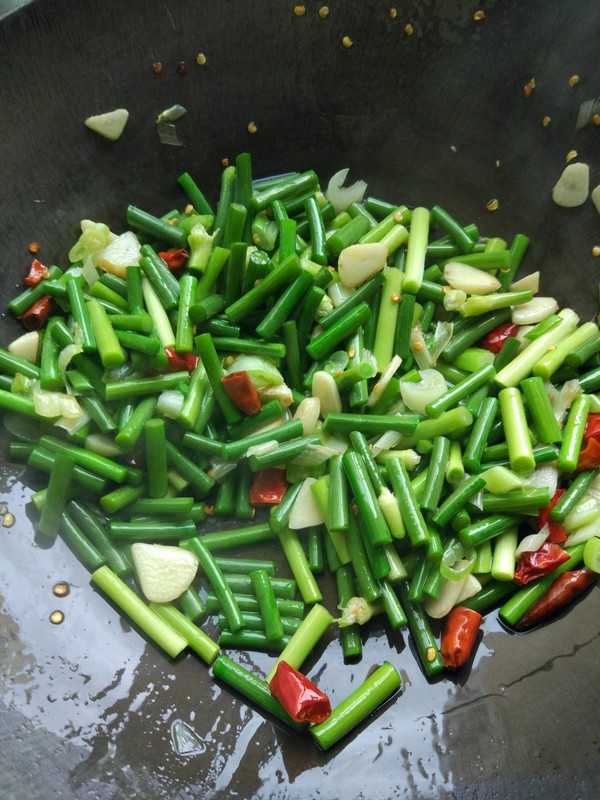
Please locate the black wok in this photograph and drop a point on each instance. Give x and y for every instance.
(440, 116)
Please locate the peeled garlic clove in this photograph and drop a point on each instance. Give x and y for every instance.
(308, 413)
(110, 125)
(534, 311)
(417, 395)
(305, 512)
(469, 279)
(341, 196)
(359, 262)
(164, 571)
(325, 389)
(573, 186)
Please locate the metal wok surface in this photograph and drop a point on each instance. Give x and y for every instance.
(87, 707)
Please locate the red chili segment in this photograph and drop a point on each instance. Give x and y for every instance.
(458, 638)
(299, 696)
(36, 317)
(180, 361)
(589, 456)
(563, 591)
(496, 338)
(242, 392)
(37, 272)
(268, 487)
(556, 533)
(534, 564)
(175, 259)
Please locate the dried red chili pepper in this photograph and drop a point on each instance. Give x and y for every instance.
(589, 456)
(533, 564)
(178, 362)
(242, 392)
(494, 340)
(37, 316)
(268, 487)
(299, 696)
(175, 259)
(556, 533)
(37, 272)
(564, 589)
(458, 638)
(592, 427)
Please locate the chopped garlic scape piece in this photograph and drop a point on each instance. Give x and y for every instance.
(164, 571)
(573, 186)
(110, 125)
(359, 262)
(596, 197)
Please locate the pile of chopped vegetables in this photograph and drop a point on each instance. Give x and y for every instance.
(368, 377)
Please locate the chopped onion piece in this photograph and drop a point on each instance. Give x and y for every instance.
(418, 395)
(89, 271)
(102, 445)
(122, 253)
(170, 402)
(544, 475)
(26, 346)
(454, 299)
(532, 542)
(283, 393)
(314, 455)
(563, 400)
(71, 426)
(583, 514)
(470, 279)
(447, 598)
(305, 512)
(386, 376)
(572, 187)
(262, 449)
(386, 441)
(531, 282)
(359, 262)
(55, 404)
(262, 372)
(219, 469)
(64, 359)
(582, 534)
(338, 293)
(171, 114)
(534, 311)
(341, 196)
(325, 307)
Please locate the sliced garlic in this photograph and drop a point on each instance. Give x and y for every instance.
(469, 279)
(305, 512)
(573, 186)
(359, 262)
(534, 311)
(26, 346)
(123, 252)
(110, 125)
(164, 571)
(531, 282)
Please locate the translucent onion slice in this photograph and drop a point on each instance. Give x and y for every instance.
(573, 186)
(417, 395)
(338, 293)
(532, 542)
(470, 279)
(534, 311)
(341, 196)
(305, 512)
(544, 475)
(170, 402)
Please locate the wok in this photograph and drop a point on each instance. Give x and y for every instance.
(439, 116)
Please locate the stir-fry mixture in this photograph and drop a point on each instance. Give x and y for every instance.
(412, 427)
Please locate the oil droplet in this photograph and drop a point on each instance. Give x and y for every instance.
(61, 589)
(56, 617)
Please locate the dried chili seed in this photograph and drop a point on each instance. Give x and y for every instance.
(56, 617)
(225, 162)
(479, 15)
(529, 87)
(546, 121)
(157, 67)
(596, 250)
(201, 59)
(409, 30)
(324, 12)
(393, 13)
(252, 127)
(347, 42)
(61, 589)
(571, 155)
(34, 247)
(492, 205)
(596, 119)
(574, 80)
(299, 10)
(182, 68)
